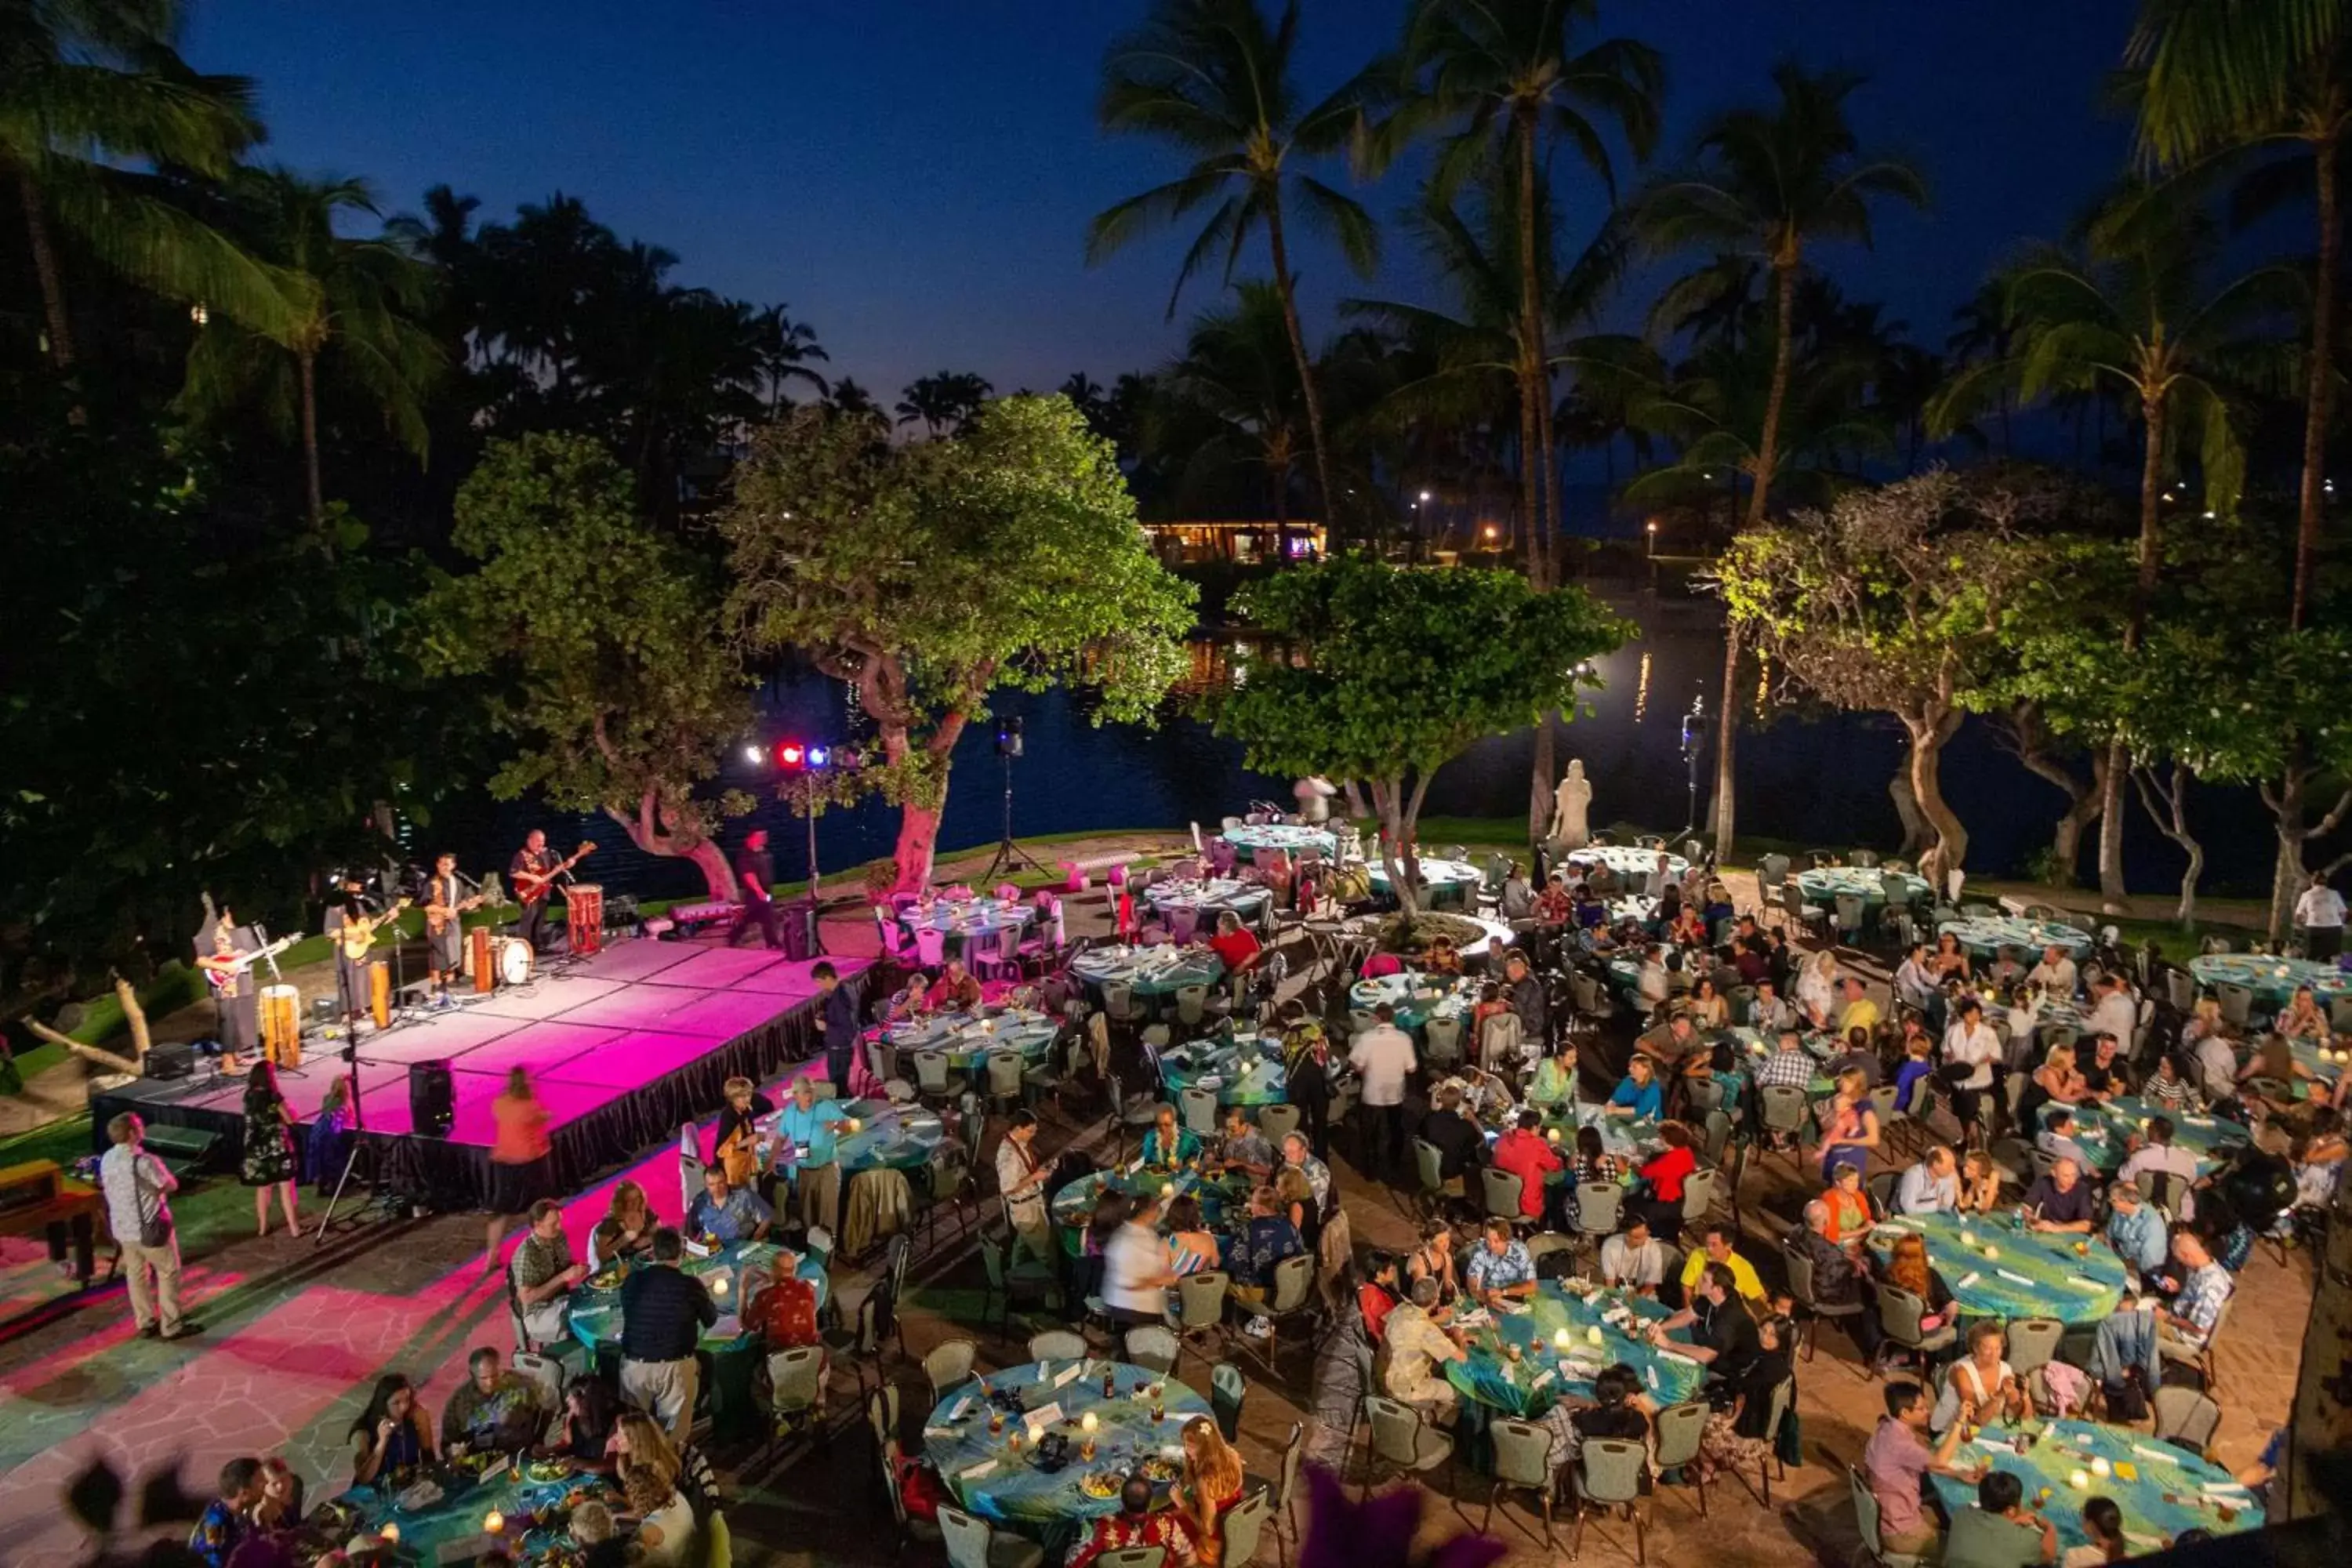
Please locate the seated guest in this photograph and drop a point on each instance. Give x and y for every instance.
(1672, 1045)
(1896, 1464)
(2002, 1495)
(2055, 1080)
(909, 1001)
(1234, 944)
(2159, 1153)
(1526, 996)
(1264, 1239)
(1908, 1268)
(493, 1408)
(2169, 1088)
(955, 989)
(1637, 1094)
(228, 1519)
(1837, 1280)
(1858, 1055)
(1858, 1011)
(1662, 1176)
(1916, 984)
(1553, 905)
(1460, 1146)
(1440, 957)
(1633, 1257)
(1715, 1246)
(724, 1213)
(392, 1436)
(1749, 962)
(2134, 1229)
(1139, 1522)
(1706, 1008)
(654, 1486)
(1525, 1153)
(1981, 1387)
(1617, 1408)
(281, 1507)
(1932, 1185)
(1741, 1429)
(1433, 1259)
(631, 1213)
(1295, 1150)
(1847, 1207)
(2060, 1201)
(2056, 974)
(1593, 1161)
(1245, 1148)
(1723, 1330)
(2114, 1011)
(1918, 1050)
(2105, 1073)
(2104, 1543)
(1168, 1145)
(1500, 1269)
(2057, 1137)
(1413, 1349)
(1192, 1245)
(1980, 1184)
(590, 1413)
(1380, 1292)
(1516, 900)
(1790, 1066)
(1772, 1011)
(1554, 1081)
(2128, 1339)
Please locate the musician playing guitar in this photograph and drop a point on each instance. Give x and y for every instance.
(532, 871)
(353, 920)
(237, 993)
(445, 901)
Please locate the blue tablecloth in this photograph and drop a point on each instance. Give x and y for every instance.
(1291, 837)
(1545, 1373)
(1444, 883)
(1248, 1070)
(1008, 1487)
(2101, 1129)
(1986, 935)
(532, 1513)
(2074, 1279)
(1221, 1197)
(2161, 1490)
(1626, 861)
(1247, 899)
(1403, 993)
(1147, 971)
(967, 1040)
(1823, 884)
(976, 918)
(596, 1319)
(2271, 980)
(892, 1137)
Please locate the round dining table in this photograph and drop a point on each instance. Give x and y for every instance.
(1289, 837)
(1823, 884)
(1986, 935)
(1626, 860)
(1416, 999)
(1148, 972)
(979, 916)
(2272, 979)
(1210, 898)
(969, 1040)
(1445, 884)
(1221, 1197)
(999, 1474)
(1563, 1336)
(1243, 1070)
(2160, 1490)
(886, 1137)
(2101, 1130)
(1994, 1267)
(532, 1514)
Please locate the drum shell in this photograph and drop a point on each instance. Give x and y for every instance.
(514, 962)
(282, 1025)
(380, 993)
(583, 917)
(478, 959)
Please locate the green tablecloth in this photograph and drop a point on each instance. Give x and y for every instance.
(969, 1040)
(463, 1505)
(2055, 1279)
(2101, 1130)
(1823, 884)
(1212, 898)
(1149, 971)
(1455, 998)
(1014, 1492)
(1222, 1198)
(597, 1314)
(889, 1137)
(1191, 1066)
(1627, 861)
(1292, 836)
(1444, 883)
(2271, 980)
(1986, 935)
(1627, 1137)
(1546, 1373)
(2161, 1490)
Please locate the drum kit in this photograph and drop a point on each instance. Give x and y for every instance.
(492, 960)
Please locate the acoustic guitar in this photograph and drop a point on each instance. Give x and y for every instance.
(358, 935)
(438, 915)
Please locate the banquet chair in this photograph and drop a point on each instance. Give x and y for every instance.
(910, 1527)
(1899, 1313)
(887, 927)
(1429, 1165)
(1136, 1114)
(1608, 1476)
(1014, 1281)
(2185, 1418)
(1200, 1110)
(930, 947)
(1200, 1309)
(1005, 1069)
(2200, 1357)
(1865, 1519)
(1814, 1310)
(1503, 1191)
(1981, 1539)
(1675, 1434)
(1444, 1042)
(1522, 1463)
(1867, 859)
(796, 1389)
(1769, 1466)
(1597, 1206)
(1153, 1348)
(1183, 924)
(1402, 1440)
(1850, 911)
(948, 1175)
(1786, 1110)
(2034, 1344)
(546, 1374)
(1243, 1526)
(931, 1075)
(2237, 1004)
(1058, 1344)
(948, 1365)
(1293, 1296)
(1277, 1122)
(1698, 1195)
(974, 1543)
(1191, 1004)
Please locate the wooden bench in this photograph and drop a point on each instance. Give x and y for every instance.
(688, 918)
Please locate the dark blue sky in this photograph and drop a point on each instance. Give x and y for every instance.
(915, 176)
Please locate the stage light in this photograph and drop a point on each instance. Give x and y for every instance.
(789, 755)
(754, 755)
(818, 756)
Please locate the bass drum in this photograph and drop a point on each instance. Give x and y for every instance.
(514, 960)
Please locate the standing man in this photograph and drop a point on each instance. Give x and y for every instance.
(236, 990)
(445, 933)
(1021, 1177)
(755, 874)
(2320, 912)
(663, 1314)
(351, 909)
(840, 1024)
(1310, 1089)
(138, 1191)
(1382, 1057)
(537, 862)
(809, 1123)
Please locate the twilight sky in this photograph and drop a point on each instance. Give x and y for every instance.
(914, 176)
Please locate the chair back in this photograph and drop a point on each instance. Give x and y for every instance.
(1444, 1037)
(931, 1072)
(818, 1244)
(1201, 1300)
(1597, 1206)
(882, 1414)
(1771, 870)
(885, 927)
(2186, 1415)
(1359, 1019)
(546, 1374)
(2034, 1344)
(1849, 911)
(2339, 1009)
(1676, 1431)
(949, 1364)
(1504, 1190)
(1058, 1344)
(1522, 1452)
(1716, 1137)
(1429, 1164)
(795, 1375)
(1152, 1347)
(1119, 1001)
(931, 946)
(968, 1539)
(1396, 1430)
(2237, 1004)
(1609, 1469)
(1192, 1001)
(1900, 1313)
(1227, 1389)
(1243, 1525)
(1277, 1122)
(1004, 1070)
(1698, 1195)
(1865, 1512)
(1784, 1106)
(1883, 1188)
(1134, 1557)
(1199, 1107)
(1703, 1098)
(1293, 1284)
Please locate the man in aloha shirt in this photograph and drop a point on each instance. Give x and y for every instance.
(1138, 1523)
(493, 1408)
(1168, 1145)
(228, 1519)
(1501, 1266)
(1296, 1152)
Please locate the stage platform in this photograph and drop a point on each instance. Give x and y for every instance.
(623, 1047)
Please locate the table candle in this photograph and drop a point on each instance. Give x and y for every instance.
(1991, 1253)
(1167, 1189)
(1593, 1334)
(2077, 1480)
(1087, 1422)
(1563, 1339)
(718, 1286)
(390, 1532)
(2099, 1467)
(494, 1522)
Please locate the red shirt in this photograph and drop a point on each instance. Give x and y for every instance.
(784, 1314)
(1529, 1156)
(1377, 1304)
(1666, 1174)
(1236, 947)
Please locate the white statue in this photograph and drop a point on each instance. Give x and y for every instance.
(1571, 802)
(1314, 798)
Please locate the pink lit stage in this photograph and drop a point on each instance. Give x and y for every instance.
(623, 1048)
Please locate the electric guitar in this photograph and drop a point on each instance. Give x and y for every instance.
(438, 915)
(220, 971)
(529, 887)
(358, 935)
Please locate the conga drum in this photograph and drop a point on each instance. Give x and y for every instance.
(583, 917)
(478, 959)
(282, 1025)
(380, 993)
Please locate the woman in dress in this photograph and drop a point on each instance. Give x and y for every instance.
(651, 1486)
(1211, 1485)
(328, 1140)
(1908, 1269)
(590, 1416)
(1817, 988)
(1593, 1161)
(632, 1216)
(1741, 1433)
(1849, 1126)
(1192, 1245)
(520, 1176)
(1708, 1012)
(2304, 1019)
(269, 1159)
(1980, 1184)
(1949, 961)
(392, 1436)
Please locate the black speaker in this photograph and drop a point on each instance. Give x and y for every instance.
(1008, 736)
(797, 926)
(432, 1099)
(170, 1059)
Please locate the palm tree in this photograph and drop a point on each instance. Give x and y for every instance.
(1513, 77)
(1237, 380)
(362, 302)
(1980, 332)
(785, 347)
(1768, 184)
(2216, 77)
(943, 404)
(849, 399)
(2129, 306)
(1215, 78)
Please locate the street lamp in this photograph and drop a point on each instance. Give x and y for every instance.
(1652, 529)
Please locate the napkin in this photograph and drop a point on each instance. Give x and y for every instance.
(2146, 1453)
(1548, 1376)
(1967, 1279)
(974, 1472)
(1068, 1373)
(2145, 1542)
(2020, 1279)
(726, 1326)
(938, 1432)
(2227, 1488)
(1670, 1355)
(2093, 1286)
(960, 1406)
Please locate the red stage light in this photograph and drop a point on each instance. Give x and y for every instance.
(789, 755)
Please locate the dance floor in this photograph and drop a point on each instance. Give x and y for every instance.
(622, 1047)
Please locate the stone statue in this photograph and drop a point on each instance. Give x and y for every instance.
(1571, 802)
(1314, 798)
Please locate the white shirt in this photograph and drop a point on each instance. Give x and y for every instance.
(1924, 1192)
(1979, 1047)
(1620, 1264)
(1381, 1056)
(1914, 984)
(2169, 1158)
(1134, 1254)
(134, 1185)
(1816, 992)
(2217, 1068)
(2059, 978)
(2116, 1015)
(2319, 907)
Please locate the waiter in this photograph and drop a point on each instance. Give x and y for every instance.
(755, 874)
(350, 907)
(237, 993)
(2320, 912)
(534, 859)
(444, 949)
(840, 1025)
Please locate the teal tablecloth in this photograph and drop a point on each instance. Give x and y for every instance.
(1191, 1066)
(1247, 899)
(1291, 837)
(975, 918)
(2055, 1279)
(1222, 1198)
(2101, 1129)
(2271, 980)
(463, 1505)
(1149, 971)
(1546, 1373)
(1444, 883)
(969, 1040)
(1402, 990)
(1627, 861)
(597, 1314)
(889, 1137)
(991, 1478)
(1986, 935)
(1823, 884)
(1630, 1138)
(2161, 1490)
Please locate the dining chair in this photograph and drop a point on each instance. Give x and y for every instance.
(1608, 1476)
(1675, 1434)
(1058, 1344)
(1228, 1392)
(1522, 1463)
(1402, 1440)
(973, 1543)
(931, 946)
(1153, 1348)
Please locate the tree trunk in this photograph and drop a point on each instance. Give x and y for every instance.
(1929, 732)
(1768, 444)
(2084, 800)
(2151, 518)
(2286, 870)
(2113, 897)
(644, 831)
(2173, 822)
(1535, 417)
(1539, 782)
(1916, 836)
(2319, 372)
(309, 363)
(1306, 369)
(44, 267)
(918, 824)
(1726, 733)
(1398, 857)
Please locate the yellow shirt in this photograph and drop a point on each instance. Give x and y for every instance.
(1862, 1014)
(1743, 1274)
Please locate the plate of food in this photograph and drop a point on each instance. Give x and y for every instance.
(607, 1279)
(1160, 1469)
(1102, 1485)
(546, 1470)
